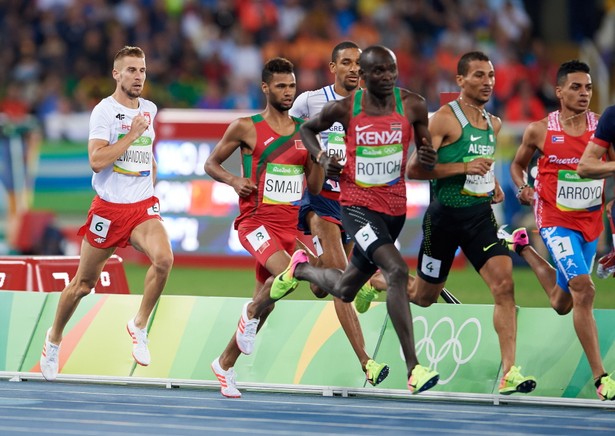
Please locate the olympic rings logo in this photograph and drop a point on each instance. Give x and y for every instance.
(437, 351)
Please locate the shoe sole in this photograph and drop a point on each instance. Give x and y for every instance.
(523, 388)
(383, 374)
(428, 385)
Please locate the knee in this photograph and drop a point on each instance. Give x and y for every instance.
(424, 299)
(80, 288)
(163, 262)
(503, 291)
(397, 273)
(583, 291)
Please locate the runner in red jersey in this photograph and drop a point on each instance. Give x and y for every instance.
(568, 209)
(378, 123)
(275, 168)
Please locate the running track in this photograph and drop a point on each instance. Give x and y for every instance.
(36, 407)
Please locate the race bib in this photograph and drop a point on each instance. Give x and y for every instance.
(365, 237)
(479, 186)
(100, 226)
(378, 165)
(430, 266)
(575, 193)
(258, 238)
(283, 184)
(137, 159)
(337, 147)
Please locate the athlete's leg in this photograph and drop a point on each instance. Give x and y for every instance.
(497, 274)
(547, 276)
(583, 292)
(395, 271)
(335, 256)
(231, 353)
(91, 264)
(151, 238)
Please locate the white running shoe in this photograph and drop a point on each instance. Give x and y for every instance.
(140, 352)
(246, 331)
(226, 379)
(50, 359)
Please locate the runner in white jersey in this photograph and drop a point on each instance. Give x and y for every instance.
(320, 215)
(124, 210)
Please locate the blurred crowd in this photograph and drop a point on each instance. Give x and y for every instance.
(56, 54)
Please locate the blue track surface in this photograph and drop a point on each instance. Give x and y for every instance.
(36, 407)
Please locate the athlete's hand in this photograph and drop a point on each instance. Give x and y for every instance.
(244, 187)
(526, 196)
(428, 157)
(139, 125)
(498, 195)
(331, 165)
(479, 166)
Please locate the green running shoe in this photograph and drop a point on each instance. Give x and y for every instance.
(364, 297)
(514, 381)
(421, 379)
(286, 282)
(376, 372)
(606, 390)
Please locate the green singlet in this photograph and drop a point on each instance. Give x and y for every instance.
(467, 190)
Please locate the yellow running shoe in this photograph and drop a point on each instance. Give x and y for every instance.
(606, 390)
(376, 372)
(421, 379)
(364, 297)
(514, 381)
(286, 282)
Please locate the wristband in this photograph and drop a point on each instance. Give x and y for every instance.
(521, 188)
(465, 168)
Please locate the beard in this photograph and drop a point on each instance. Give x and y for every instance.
(279, 106)
(132, 94)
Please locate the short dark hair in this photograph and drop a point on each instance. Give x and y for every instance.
(127, 51)
(276, 66)
(342, 46)
(463, 66)
(573, 66)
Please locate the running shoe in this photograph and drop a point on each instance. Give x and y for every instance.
(286, 282)
(606, 265)
(517, 241)
(422, 379)
(226, 379)
(606, 389)
(50, 359)
(514, 381)
(364, 297)
(246, 331)
(376, 372)
(140, 352)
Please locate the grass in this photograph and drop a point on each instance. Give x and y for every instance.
(464, 283)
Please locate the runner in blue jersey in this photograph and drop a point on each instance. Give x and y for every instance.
(320, 215)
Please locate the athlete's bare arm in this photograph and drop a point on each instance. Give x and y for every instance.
(239, 134)
(445, 129)
(102, 154)
(418, 116)
(591, 164)
(334, 111)
(533, 140)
